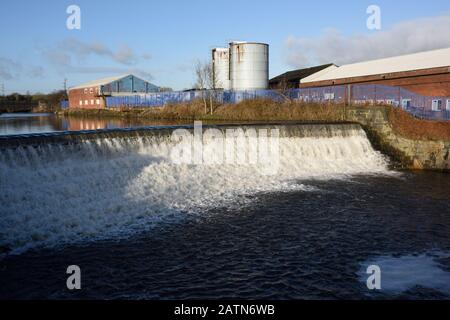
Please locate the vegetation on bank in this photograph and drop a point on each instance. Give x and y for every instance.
(248, 110)
(38, 102)
(267, 110)
(418, 129)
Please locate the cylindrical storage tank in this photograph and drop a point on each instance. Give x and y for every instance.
(221, 68)
(249, 65)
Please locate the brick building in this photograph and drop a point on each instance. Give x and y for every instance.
(91, 95)
(426, 73)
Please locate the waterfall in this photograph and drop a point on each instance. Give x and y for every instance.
(57, 191)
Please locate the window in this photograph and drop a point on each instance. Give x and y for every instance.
(436, 105)
(92, 101)
(91, 90)
(447, 107)
(406, 103)
(329, 96)
(81, 102)
(85, 91)
(97, 102)
(86, 102)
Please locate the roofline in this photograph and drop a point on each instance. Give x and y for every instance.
(119, 77)
(377, 77)
(247, 42)
(390, 60)
(394, 57)
(322, 65)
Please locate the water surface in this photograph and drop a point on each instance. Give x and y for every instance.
(140, 226)
(24, 123)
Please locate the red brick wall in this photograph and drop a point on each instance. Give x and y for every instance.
(86, 98)
(435, 85)
(428, 82)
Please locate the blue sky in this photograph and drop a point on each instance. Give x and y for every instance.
(161, 40)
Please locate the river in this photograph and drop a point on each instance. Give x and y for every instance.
(24, 123)
(142, 227)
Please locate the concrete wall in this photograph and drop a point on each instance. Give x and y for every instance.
(408, 153)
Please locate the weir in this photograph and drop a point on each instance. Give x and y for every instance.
(75, 137)
(77, 187)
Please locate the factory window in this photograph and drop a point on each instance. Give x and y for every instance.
(329, 96)
(436, 105)
(406, 103)
(86, 102)
(92, 101)
(97, 102)
(81, 102)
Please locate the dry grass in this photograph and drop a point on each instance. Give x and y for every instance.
(256, 110)
(410, 127)
(267, 110)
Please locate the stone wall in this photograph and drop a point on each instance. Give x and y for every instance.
(407, 153)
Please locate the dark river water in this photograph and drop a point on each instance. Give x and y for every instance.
(140, 227)
(290, 245)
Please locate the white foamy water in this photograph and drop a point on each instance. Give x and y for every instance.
(400, 274)
(106, 188)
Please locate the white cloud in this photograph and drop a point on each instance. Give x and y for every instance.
(71, 56)
(11, 69)
(110, 70)
(403, 38)
(74, 49)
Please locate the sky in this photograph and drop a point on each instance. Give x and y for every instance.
(161, 40)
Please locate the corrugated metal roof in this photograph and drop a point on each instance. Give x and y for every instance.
(100, 82)
(410, 62)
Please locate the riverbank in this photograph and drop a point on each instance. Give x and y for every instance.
(261, 110)
(415, 143)
(249, 110)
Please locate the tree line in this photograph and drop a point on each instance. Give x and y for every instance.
(50, 101)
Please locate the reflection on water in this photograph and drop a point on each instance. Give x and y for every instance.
(23, 123)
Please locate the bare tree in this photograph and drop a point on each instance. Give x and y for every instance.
(201, 82)
(283, 89)
(206, 79)
(212, 85)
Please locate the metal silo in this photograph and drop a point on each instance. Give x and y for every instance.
(221, 67)
(249, 65)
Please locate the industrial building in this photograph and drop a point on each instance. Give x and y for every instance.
(242, 66)
(91, 95)
(425, 73)
(291, 79)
